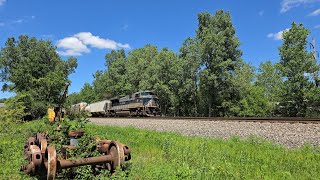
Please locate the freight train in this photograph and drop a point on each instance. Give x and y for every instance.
(143, 103)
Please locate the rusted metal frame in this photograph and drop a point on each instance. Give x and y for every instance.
(103, 146)
(63, 164)
(40, 156)
(34, 157)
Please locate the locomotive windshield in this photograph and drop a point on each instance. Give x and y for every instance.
(146, 100)
(147, 93)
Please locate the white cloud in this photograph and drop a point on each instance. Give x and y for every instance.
(286, 5)
(78, 44)
(276, 36)
(72, 47)
(24, 19)
(317, 26)
(95, 41)
(2, 2)
(315, 13)
(14, 22)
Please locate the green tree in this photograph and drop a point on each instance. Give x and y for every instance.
(168, 75)
(116, 77)
(270, 79)
(253, 101)
(113, 56)
(150, 69)
(73, 98)
(87, 93)
(220, 57)
(188, 93)
(296, 66)
(100, 85)
(143, 69)
(17, 108)
(139, 63)
(33, 67)
(3, 100)
(113, 81)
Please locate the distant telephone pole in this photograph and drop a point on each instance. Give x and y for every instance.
(316, 74)
(313, 44)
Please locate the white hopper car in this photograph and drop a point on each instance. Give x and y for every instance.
(143, 103)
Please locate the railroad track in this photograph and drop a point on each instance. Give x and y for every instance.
(237, 119)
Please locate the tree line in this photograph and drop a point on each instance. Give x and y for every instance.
(207, 77)
(33, 70)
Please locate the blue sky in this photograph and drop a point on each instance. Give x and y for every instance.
(90, 29)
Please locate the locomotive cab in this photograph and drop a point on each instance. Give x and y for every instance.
(150, 102)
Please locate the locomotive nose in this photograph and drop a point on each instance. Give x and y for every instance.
(151, 103)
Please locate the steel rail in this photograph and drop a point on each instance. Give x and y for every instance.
(238, 119)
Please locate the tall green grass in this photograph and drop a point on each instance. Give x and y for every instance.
(163, 155)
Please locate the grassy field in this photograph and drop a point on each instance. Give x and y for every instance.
(162, 155)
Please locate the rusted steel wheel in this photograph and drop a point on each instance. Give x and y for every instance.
(52, 163)
(103, 146)
(40, 137)
(43, 145)
(31, 141)
(25, 151)
(117, 154)
(77, 133)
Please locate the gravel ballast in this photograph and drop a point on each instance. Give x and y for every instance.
(290, 135)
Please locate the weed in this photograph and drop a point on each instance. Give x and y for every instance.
(163, 155)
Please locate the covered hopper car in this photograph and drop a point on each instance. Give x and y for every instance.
(143, 103)
(76, 108)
